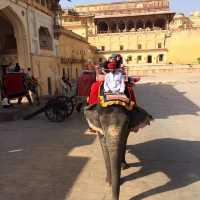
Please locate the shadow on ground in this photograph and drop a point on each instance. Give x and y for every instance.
(43, 170)
(163, 100)
(179, 160)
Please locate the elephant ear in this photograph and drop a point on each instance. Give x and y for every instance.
(92, 117)
(140, 118)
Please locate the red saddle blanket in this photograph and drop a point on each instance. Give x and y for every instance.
(85, 82)
(14, 85)
(97, 96)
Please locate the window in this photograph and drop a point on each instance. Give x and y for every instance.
(43, 2)
(113, 27)
(100, 60)
(139, 58)
(160, 57)
(139, 25)
(76, 73)
(49, 83)
(63, 72)
(102, 48)
(149, 59)
(45, 38)
(160, 23)
(121, 47)
(159, 45)
(139, 46)
(129, 58)
(102, 27)
(121, 26)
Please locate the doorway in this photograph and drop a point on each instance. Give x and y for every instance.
(149, 59)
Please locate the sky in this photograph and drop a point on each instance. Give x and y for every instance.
(179, 6)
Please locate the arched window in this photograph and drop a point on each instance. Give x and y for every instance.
(160, 23)
(149, 25)
(139, 25)
(8, 43)
(121, 26)
(113, 27)
(45, 38)
(130, 26)
(102, 27)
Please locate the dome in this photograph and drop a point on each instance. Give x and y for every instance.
(196, 14)
(180, 15)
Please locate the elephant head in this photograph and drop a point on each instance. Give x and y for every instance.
(113, 125)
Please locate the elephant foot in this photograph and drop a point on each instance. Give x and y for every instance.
(125, 165)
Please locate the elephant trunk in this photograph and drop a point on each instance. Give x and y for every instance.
(115, 175)
(115, 152)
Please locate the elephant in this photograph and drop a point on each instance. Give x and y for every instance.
(113, 125)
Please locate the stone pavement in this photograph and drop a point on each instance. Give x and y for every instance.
(62, 161)
(16, 112)
(171, 78)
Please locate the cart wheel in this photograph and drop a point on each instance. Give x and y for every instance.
(79, 107)
(56, 111)
(67, 101)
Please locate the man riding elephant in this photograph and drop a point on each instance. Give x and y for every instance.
(113, 120)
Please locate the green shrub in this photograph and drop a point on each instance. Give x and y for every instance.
(198, 60)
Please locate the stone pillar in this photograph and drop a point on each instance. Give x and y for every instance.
(126, 25)
(167, 24)
(134, 25)
(117, 27)
(108, 24)
(96, 28)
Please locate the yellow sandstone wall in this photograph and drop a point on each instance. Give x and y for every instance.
(180, 47)
(184, 47)
(45, 67)
(149, 41)
(75, 52)
(82, 31)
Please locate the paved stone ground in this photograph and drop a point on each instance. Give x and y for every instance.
(16, 111)
(40, 160)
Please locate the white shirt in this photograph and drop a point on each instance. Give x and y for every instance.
(114, 82)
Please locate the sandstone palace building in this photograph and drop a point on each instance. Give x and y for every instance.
(31, 34)
(40, 35)
(145, 32)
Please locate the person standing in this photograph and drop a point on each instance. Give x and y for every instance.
(17, 68)
(66, 86)
(32, 84)
(3, 97)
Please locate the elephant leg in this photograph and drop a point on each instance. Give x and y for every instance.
(106, 158)
(124, 164)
